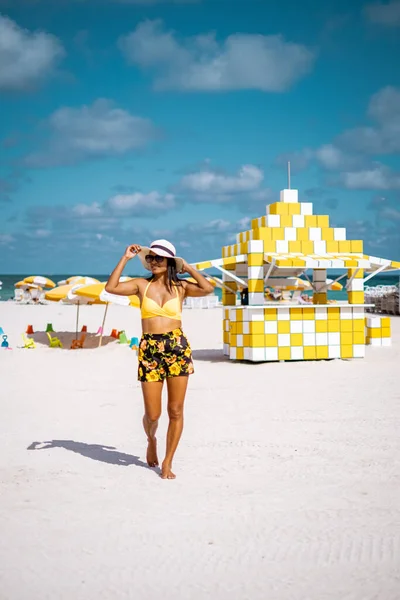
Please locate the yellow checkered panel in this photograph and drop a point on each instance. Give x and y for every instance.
(298, 333)
(378, 331)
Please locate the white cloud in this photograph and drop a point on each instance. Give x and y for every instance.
(25, 57)
(391, 214)
(298, 160)
(98, 130)
(378, 177)
(141, 204)
(42, 233)
(333, 158)
(248, 178)
(201, 63)
(87, 210)
(243, 224)
(329, 156)
(6, 238)
(384, 137)
(384, 14)
(351, 154)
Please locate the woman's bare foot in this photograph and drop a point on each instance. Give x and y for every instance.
(166, 472)
(152, 458)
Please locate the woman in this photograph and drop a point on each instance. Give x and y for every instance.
(164, 351)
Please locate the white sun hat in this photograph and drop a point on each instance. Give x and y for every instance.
(161, 248)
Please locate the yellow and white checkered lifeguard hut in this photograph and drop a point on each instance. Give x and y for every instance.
(286, 242)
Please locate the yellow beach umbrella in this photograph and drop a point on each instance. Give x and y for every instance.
(79, 280)
(66, 293)
(40, 280)
(25, 285)
(98, 294)
(302, 284)
(334, 285)
(290, 284)
(58, 293)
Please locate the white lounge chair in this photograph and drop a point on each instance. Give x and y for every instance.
(18, 294)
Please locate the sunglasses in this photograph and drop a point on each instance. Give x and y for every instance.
(149, 258)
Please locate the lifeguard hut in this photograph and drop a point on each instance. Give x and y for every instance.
(286, 242)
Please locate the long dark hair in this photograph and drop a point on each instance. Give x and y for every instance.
(172, 274)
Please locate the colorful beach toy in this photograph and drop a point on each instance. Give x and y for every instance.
(78, 343)
(54, 341)
(29, 343)
(122, 337)
(134, 343)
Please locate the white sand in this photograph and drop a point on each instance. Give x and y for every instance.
(288, 474)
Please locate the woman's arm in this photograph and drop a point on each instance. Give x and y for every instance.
(126, 288)
(202, 287)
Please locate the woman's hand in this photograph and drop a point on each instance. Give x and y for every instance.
(185, 267)
(132, 250)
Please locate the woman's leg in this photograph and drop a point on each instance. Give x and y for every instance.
(176, 396)
(152, 411)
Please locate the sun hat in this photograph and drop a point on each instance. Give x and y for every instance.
(161, 248)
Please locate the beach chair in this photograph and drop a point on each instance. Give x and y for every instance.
(18, 295)
(78, 343)
(28, 342)
(49, 328)
(54, 341)
(211, 301)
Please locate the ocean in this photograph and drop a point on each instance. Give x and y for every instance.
(8, 281)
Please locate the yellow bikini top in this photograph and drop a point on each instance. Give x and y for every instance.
(171, 309)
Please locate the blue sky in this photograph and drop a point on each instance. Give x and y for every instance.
(128, 120)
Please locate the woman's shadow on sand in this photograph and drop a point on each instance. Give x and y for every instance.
(99, 452)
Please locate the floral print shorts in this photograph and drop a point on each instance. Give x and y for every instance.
(164, 355)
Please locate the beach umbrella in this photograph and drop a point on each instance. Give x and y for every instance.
(58, 293)
(98, 294)
(40, 280)
(302, 284)
(79, 280)
(66, 294)
(24, 285)
(334, 285)
(73, 298)
(290, 284)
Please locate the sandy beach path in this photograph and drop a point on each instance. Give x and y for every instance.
(288, 474)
